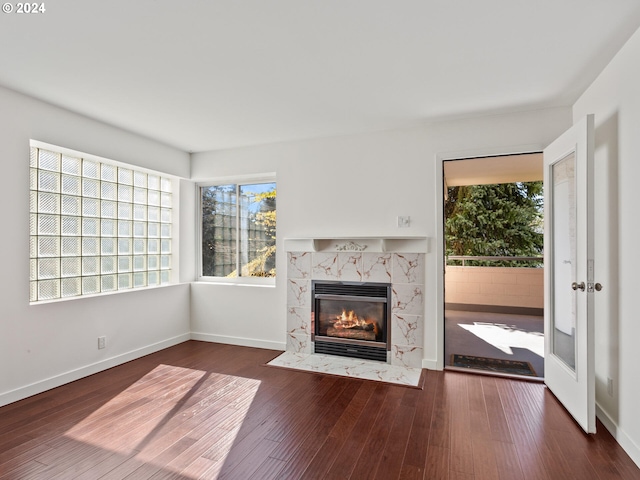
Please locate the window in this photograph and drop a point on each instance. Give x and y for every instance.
(239, 230)
(95, 226)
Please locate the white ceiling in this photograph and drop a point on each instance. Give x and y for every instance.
(203, 75)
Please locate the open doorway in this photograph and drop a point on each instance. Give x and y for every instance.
(494, 272)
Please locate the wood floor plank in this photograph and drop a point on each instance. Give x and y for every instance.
(205, 410)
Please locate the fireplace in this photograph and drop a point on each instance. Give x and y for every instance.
(351, 319)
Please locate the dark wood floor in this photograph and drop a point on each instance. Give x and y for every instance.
(204, 410)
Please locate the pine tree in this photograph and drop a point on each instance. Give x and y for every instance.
(494, 220)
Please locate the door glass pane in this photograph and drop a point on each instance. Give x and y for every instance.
(563, 319)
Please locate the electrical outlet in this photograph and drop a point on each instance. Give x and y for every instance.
(610, 386)
(404, 222)
(102, 342)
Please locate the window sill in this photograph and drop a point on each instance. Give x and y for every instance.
(238, 282)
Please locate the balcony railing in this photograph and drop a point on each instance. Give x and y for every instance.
(533, 262)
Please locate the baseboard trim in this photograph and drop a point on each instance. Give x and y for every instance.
(627, 444)
(430, 364)
(240, 341)
(73, 375)
(467, 307)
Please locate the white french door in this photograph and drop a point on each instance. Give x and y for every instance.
(569, 282)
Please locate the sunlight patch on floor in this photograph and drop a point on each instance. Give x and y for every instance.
(505, 337)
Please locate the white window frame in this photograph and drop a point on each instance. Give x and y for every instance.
(220, 181)
(173, 241)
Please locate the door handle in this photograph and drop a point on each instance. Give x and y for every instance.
(598, 287)
(576, 286)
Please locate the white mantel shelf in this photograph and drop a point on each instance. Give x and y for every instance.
(413, 244)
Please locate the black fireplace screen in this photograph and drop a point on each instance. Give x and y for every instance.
(352, 319)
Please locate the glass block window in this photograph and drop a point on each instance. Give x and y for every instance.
(96, 227)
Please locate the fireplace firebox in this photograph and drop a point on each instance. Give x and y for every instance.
(352, 319)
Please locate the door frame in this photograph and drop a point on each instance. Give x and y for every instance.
(439, 250)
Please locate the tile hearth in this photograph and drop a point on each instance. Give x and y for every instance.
(349, 367)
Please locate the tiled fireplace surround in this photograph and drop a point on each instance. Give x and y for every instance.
(353, 261)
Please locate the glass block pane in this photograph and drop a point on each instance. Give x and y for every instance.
(165, 215)
(165, 200)
(90, 207)
(153, 262)
(70, 267)
(153, 198)
(90, 246)
(124, 281)
(90, 169)
(165, 262)
(70, 287)
(48, 268)
(71, 226)
(153, 230)
(125, 176)
(165, 246)
(90, 188)
(125, 193)
(48, 225)
(165, 230)
(70, 205)
(90, 226)
(124, 211)
(140, 179)
(153, 182)
(153, 246)
(109, 209)
(124, 228)
(48, 160)
(139, 279)
(139, 229)
(109, 191)
(165, 277)
(48, 289)
(108, 265)
(33, 269)
(109, 283)
(71, 165)
(154, 214)
(33, 201)
(108, 173)
(71, 247)
(49, 203)
(48, 246)
(108, 246)
(108, 228)
(90, 265)
(48, 181)
(71, 185)
(165, 184)
(139, 263)
(33, 179)
(153, 278)
(33, 224)
(33, 157)
(90, 285)
(124, 246)
(139, 245)
(33, 291)
(140, 212)
(124, 264)
(140, 195)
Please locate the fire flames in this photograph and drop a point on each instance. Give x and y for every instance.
(351, 320)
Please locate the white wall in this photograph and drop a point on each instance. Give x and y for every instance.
(614, 98)
(42, 346)
(354, 186)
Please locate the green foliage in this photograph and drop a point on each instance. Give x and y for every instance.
(494, 220)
